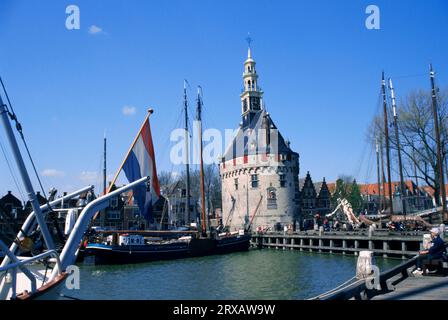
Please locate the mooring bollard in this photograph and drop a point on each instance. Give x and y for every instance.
(371, 231)
(364, 264)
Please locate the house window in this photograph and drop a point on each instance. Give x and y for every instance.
(113, 215)
(8, 207)
(114, 202)
(282, 181)
(254, 180)
(235, 182)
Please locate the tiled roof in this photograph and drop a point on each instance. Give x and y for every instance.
(331, 187)
(430, 191)
(372, 188)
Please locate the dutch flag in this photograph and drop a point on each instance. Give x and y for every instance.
(140, 163)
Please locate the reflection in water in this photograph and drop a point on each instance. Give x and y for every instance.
(254, 275)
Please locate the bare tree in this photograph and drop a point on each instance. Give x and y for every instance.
(166, 178)
(417, 137)
(212, 185)
(212, 181)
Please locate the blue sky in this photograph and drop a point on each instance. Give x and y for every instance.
(319, 66)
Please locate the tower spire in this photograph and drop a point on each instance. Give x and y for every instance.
(249, 42)
(251, 95)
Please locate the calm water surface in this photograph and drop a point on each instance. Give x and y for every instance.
(257, 274)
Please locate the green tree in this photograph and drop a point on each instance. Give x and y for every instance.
(348, 188)
(340, 191)
(355, 197)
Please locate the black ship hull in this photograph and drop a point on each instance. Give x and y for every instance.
(113, 254)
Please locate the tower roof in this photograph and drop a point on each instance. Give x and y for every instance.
(250, 141)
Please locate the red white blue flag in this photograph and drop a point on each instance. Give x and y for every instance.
(141, 163)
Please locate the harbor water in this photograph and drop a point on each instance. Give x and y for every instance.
(266, 274)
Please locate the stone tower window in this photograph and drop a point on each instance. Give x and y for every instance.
(254, 180)
(235, 183)
(271, 198)
(282, 180)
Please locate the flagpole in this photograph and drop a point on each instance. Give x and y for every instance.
(150, 111)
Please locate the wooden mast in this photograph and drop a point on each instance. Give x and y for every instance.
(442, 191)
(378, 172)
(187, 155)
(386, 133)
(199, 119)
(105, 165)
(397, 137)
(383, 177)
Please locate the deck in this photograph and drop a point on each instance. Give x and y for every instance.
(398, 283)
(418, 288)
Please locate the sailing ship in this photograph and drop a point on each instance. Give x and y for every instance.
(125, 247)
(386, 214)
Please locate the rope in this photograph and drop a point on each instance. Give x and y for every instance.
(68, 297)
(19, 129)
(410, 76)
(12, 172)
(334, 290)
(47, 265)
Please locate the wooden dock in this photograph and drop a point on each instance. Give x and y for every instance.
(418, 288)
(382, 242)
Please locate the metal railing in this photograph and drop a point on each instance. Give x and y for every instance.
(69, 253)
(30, 223)
(13, 267)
